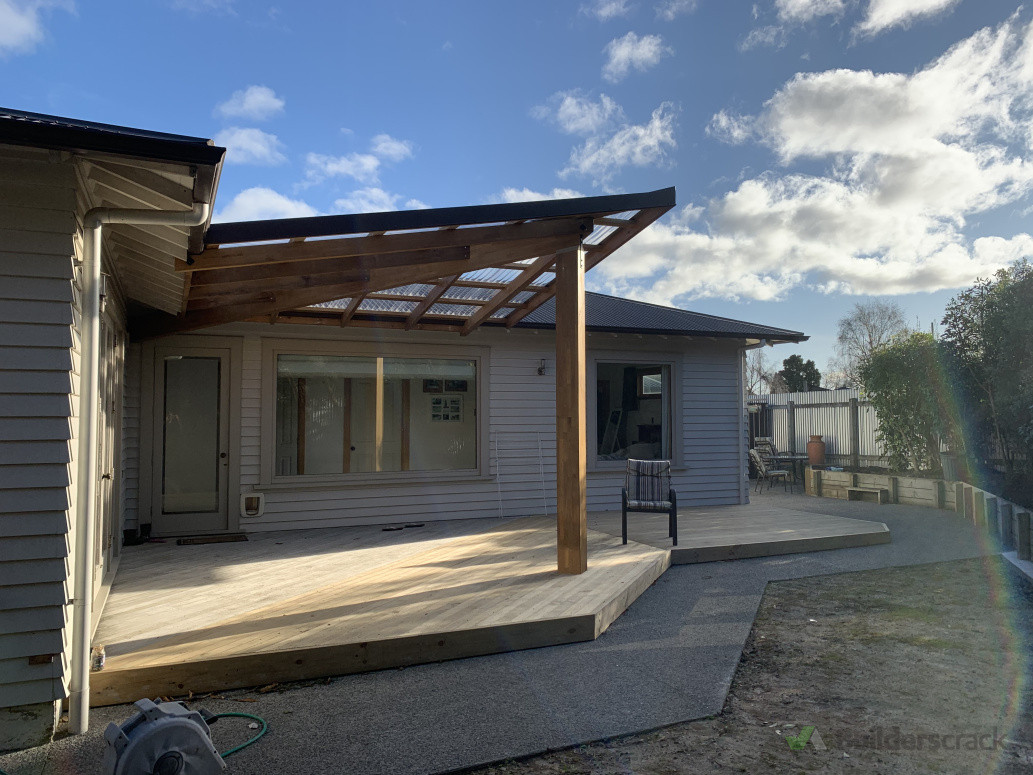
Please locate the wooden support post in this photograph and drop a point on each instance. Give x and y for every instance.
(817, 482)
(571, 415)
(959, 498)
(894, 490)
(855, 434)
(1007, 517)
(791, 426)
(1022, 547)
(940, 493)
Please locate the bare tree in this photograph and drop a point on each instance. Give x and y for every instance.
(868, 327)
(756, 372)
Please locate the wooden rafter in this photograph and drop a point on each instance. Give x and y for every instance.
(245, 301)
(428, 301)
(518, 284)
(351, 309)
(615, 240)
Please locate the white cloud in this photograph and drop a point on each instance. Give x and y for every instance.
(803, 11)
(200, 6)
(632, 52)
(256, 103)
(416, 204)
(577, 114)
(387, 147)
(910, 160)
(373, 200)
(770, 35)
(528, 195)
(259, 203)
(604, 10)
(885, 14)
(639, 145)
(21, 25)
(730, 128)
(363, 167)
(250, 146)
(669, 10)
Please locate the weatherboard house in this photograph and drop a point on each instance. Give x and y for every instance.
(164, 376)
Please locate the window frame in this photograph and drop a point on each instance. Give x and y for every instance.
(272, 348)
(674, 364)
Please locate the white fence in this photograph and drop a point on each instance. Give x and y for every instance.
(847, 424)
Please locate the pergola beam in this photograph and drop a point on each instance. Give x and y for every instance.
(349, 247)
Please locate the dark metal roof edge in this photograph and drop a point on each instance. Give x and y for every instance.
(777, 336)
(360, 223)
(44, 131)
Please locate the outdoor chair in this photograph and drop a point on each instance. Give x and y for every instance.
(765, 447)
(764, 472)
(647, 488)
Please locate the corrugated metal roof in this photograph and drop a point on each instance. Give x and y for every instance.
(41, 130)
(611, 313)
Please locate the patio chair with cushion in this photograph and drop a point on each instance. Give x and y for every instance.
(766, 472)
(647, 489)
(765, 446)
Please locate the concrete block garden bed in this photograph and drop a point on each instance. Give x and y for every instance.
(1006, 522)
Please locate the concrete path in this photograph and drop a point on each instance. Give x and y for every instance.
(669, 658)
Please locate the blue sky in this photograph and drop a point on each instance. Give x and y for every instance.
(824, 151)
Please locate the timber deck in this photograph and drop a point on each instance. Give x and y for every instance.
(711, 534)
(295, 605)
(205, 618)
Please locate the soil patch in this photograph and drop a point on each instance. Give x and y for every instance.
(919, 669)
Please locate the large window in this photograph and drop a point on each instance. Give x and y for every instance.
(343, 414)
(633, 411)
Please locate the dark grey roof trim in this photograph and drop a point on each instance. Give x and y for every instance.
(325, 225)
(19, 127)
(624, 316)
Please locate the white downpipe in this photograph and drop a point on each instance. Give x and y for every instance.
(86, 476)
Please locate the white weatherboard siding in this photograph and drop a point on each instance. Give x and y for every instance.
(39, 362)
(708, 457)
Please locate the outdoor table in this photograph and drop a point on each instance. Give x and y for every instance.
(796, 460)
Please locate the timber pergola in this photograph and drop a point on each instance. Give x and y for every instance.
(453, 269)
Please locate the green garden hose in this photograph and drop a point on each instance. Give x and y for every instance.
(243, 745)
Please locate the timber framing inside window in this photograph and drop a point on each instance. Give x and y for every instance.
(359, 413)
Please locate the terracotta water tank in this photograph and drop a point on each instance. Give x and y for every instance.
(816, 451)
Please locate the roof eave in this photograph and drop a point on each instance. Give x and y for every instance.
(78, 138)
